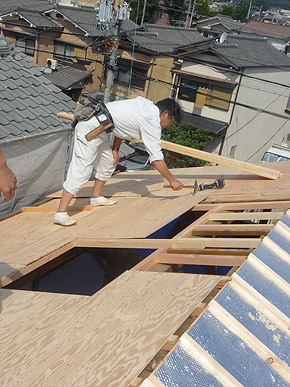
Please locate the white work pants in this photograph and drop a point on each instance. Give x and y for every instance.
(88, 155)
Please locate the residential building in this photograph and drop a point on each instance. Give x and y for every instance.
(149, 54)
(213, 27)
(58, 36)
(34, 141)
(241, 88)
(278, 35)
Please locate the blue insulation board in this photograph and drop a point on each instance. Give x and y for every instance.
(272, 259)
(280, 239)
(260, 326)
(234, 354)
(286, 220)
(180, 369)
(265, 287)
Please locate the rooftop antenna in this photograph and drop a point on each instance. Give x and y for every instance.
(223, 37)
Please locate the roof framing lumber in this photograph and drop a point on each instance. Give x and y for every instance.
(240, 165)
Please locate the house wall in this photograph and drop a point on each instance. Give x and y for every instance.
(159, 69)
(44, 48)
(208, 73)
(251, 130)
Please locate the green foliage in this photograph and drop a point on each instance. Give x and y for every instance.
(228, 10)
(187, 135)
(137, 9)
(241, 10)
(202, 8)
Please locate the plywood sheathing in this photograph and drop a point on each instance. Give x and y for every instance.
(32, 236)
(103, 340)
(150, 182)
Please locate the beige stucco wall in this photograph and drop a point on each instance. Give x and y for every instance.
(159, 70)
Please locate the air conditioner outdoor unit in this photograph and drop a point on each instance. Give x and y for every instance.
(51, 63)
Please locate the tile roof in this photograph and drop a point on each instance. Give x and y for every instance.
(244, 52)
(65, 77)
(160, 38)
(12, 5)
(227, 21)
(267, 29)
(29, 101)
(34, 18)
(84, 18)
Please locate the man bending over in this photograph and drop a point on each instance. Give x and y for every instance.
(137, 118)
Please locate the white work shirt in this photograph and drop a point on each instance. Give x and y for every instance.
(138, 118)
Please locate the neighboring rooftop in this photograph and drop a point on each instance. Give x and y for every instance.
(66, 77)
(241, 51)
(244, 52)
(266, 29)
(29, 101)
(227, 21)
(160, 38)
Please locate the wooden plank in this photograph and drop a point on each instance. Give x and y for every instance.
(152, 381)
(183, 243)
(233, 163)
(170, 343)
(187, 243)
(223, 216)
(54, 209)
(233, 229)
(248, 197)
(126, 323)
(256, 206)
(195, 259)
(65, 116)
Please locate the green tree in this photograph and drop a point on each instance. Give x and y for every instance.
(187, 135)
(241, 10)
(137, 9)
(202, 8)
(228, 10)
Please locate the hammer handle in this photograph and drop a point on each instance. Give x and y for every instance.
(100, 129)
(184, 186)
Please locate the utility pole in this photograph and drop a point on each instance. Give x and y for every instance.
(143, 13)
(192, 11)
(249, 10)
(111, 66)
(111, 12)
(187, 14)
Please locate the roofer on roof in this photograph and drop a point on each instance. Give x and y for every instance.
(136, 118)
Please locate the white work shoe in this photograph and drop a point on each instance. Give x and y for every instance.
(102, 201)
(63, 219)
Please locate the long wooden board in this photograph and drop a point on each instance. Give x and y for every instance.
(202, 155)
(103, 340)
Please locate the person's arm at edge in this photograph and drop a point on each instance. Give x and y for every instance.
(161, 167)
(116, 146)
(7, 179)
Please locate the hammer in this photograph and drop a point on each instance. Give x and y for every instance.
(219, 183)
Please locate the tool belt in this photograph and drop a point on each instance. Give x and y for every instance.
(105, 119)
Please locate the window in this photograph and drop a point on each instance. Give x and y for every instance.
(23, 43)
(218, 97)
(63, 51)
(233, 151)
(139, 73)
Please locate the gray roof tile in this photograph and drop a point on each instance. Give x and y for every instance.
(159, 38)
(66, 76)
(244, 52)
(29, 102)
